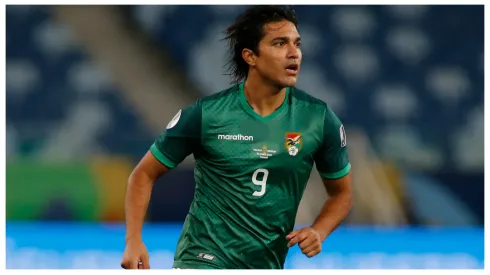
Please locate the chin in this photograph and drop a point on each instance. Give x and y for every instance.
(283, 82)
(291, 81)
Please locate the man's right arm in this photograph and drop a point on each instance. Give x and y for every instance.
(180, 139)
(140, 184)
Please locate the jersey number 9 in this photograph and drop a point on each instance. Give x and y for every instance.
(262, 182)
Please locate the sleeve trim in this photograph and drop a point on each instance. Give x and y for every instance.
(161, 158)
(337, 175)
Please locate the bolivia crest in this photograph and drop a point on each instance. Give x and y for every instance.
(293, 143)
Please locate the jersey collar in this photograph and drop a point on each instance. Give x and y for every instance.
(250, 110)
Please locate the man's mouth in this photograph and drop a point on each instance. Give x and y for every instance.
(292, 69)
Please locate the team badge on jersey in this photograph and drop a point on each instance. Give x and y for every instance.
(343, 138)
(293, 143)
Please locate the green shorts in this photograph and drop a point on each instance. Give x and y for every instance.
(194, 265)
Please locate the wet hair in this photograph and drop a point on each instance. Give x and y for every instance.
(246, 33)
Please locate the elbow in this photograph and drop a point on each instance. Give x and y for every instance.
(344, 196)
(347, 195)
(139, 177)
(148, 170)
(138, 183)
(135, 174)
(342, 192)
(349, 199)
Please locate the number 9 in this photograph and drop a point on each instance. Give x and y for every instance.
(261, 183)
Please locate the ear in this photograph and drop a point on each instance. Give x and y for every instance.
(249, 57)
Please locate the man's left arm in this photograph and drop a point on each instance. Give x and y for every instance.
(333, 165)
(336, 207)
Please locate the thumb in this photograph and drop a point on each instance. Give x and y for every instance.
(292, 234)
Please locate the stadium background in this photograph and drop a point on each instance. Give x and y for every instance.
(90, 87)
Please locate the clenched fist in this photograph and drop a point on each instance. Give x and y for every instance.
(135, 256)
(308, 239)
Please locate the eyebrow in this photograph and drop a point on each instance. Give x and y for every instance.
(285, 38)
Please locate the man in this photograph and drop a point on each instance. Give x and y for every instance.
(255, 145)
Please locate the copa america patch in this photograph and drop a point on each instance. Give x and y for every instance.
(174, 120)
(343, 138)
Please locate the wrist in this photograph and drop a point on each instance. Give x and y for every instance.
(321, 230)
(133, 238)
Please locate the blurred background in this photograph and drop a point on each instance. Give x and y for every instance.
(89, 88)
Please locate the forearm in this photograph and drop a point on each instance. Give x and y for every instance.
(136, 203)
(334, 211)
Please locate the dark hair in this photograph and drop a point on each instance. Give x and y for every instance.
(247, 31)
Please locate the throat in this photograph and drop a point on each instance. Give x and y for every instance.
(264, 101)
(264, 111)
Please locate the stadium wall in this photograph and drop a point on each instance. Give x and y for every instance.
(100, 246)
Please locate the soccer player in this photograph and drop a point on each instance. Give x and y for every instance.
(255, 144)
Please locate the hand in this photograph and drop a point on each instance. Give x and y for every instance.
(309, 241)
(135, 256)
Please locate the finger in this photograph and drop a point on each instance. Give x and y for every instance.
(293, 234)
(313, 247)
(312, 253)
(133, 264)
(310, 240)
(143, 265)
(123, 265)
(145, 262)
(298, 238)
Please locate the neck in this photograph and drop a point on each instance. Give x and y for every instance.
(264, 97)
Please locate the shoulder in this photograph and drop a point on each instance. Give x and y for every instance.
(302, 98)
(318, 108)
(210, 100)
(220, 96)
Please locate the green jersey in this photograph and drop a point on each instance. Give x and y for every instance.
(250, 174)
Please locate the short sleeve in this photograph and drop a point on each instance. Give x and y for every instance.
(181, 137)
(332, 160)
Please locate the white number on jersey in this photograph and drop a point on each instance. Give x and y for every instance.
(261, 183)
